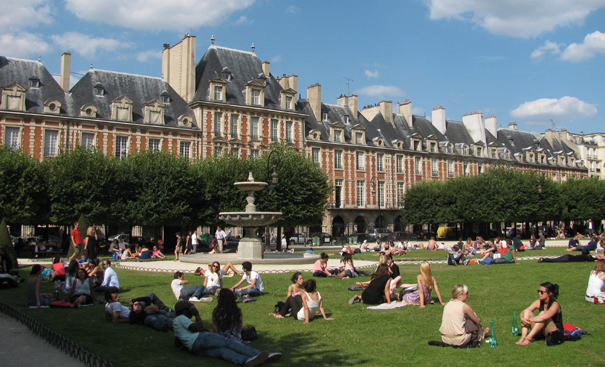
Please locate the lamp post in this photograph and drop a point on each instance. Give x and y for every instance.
(273, 159)
(376, 188)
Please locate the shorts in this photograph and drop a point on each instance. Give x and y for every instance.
(79, 249)
(88, 300)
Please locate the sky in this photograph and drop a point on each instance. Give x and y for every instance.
(540, 63)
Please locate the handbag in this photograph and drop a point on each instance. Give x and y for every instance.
(249, 333)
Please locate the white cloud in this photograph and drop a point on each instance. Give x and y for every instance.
(542, 110)
(24, 14)
(380, 90)
(594, 44)
(88, 46)
(23, 45)
(243, 20)
(371, 74)
(548, 47)
(277, 58)
(420, 111)
(517, 18)
(156, 15)
(292, 9)
(149, 54)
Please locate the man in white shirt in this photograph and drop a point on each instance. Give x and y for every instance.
(194, 242)
(111, 283)
(219, 235)
(114, 311)
(191, 293)
(255, 285)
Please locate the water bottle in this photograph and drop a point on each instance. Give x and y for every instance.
(492, 341)
(515, 328)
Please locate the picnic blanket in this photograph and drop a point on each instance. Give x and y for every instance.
(389, 306)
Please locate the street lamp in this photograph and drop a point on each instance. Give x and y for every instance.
(273, 159)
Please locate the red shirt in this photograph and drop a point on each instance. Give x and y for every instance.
(75, 234)
(59, 268)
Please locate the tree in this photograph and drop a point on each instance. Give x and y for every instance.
(23, 198)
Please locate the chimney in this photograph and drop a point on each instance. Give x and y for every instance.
(405, 109)
(353, 105)
(288, 82)
(386, 109)
(266, 69)
(65, 70)
(438, 118)
(475, 126)
(314, 97)
(178, 67)
(491, 125)
(512, 125)
(342, 100)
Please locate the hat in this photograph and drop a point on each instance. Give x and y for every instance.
(182, 306)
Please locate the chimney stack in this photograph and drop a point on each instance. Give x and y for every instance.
(438, 118)
(178, 67)
(475, 125)
(386, 109)
(290, 81)
(405, 109)
(266, 69)
(353, 105)
(314, 97)
(491, 125)
(65, 70)
(512, 125)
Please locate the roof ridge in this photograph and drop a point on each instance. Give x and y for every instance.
(233, 49)
(132, 74)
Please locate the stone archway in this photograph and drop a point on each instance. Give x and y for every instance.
(338, 226)
(397, 225)
(360, 225)
(380, 222)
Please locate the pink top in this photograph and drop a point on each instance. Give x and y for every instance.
(319, 266)
(155, 252)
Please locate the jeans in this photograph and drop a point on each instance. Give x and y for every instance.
(152, 299)
(194, 249)
(157, 320)
(192, 291)
(215, 346)
(320, 274)
(252, 292)
(451, 260)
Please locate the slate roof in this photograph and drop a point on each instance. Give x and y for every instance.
(244, 67)
(21, 71)
(140, 89)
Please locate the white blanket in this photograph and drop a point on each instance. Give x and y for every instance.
(389, 306)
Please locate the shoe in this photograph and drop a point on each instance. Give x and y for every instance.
(466, 262)
(229, 275)
(249, 299)
(194, 299)
(353, 300)
(346, 278)
(274, 357)
(206, 299)
(256, 360)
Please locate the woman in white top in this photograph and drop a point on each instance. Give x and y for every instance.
(305, 305)
(81, 293)
(594, 292)
(213, 278)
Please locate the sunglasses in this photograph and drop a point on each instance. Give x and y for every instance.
(541, 292)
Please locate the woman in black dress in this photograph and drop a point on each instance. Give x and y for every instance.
(90, 242)
(549, 318)
(378, 291)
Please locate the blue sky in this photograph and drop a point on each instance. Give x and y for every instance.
(527, 61)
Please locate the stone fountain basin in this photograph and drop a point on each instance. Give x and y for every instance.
(250, 186)
(256, 219)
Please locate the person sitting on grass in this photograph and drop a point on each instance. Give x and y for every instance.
(347, 269)
(59, 269)
(320, 268)
(510, 257)
(227, 318)
(95, 272)
(201, 342)
(115, 312)
(420, 293)
(303, 306)
(379, 289)
(111, 283)
(455, 255)
(157, 253)
(144, 253)
(127, 254)
(151, 311)
(255, 285)
(594, 292)
(214, 275)
(459, 324)
(81, 292)
(34, 297)
(549, 319)
(590, 246)
(191, 293)
(83, 261)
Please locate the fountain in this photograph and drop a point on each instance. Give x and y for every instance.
(250, 246)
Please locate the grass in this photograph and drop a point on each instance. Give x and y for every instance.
(358, 336)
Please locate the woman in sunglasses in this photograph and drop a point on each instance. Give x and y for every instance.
(549, 318)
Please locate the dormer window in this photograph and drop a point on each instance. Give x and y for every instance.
(417, 145)
(154, 113)
(337, 135)
(478, 150)
(347, 119)
(34, 82)
(217, 90)
(52, 106)
(99, 90)
(359, 138)
(186, 120)
(88, 111)
(433, 145)
(165, 97)
(255, 97)
(13, 98)
(121, 109)
(218, 93)
(286, 98)
(288, 103)
(324, 116)
(226, 74)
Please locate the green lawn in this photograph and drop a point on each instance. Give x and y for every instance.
(358, 336)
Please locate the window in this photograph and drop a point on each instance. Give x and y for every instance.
(254, 129)
(478, 151)
(254, 153)
(121, 146)
(324, 116)
(359, 160)
(234, 152)
(435, 167)
(466, 173)
(359, 138)
(273, 130)
(418, 166)
(347, 120)
(256, 97)
(400, 192)
(450, 168)
(416, 145)
(360, 194)
(217, 124)
(337, 134)
(233, 127)
(289, 131)
(165, 97)
(11, 137)
(493, 153)
(380, 162)
(338, 159)
(99, 91)
(381, 194)
(154, 145)
(480, 167)
(315, 155)
(88, 140)
(338, 194)
(34, 83)
(51, 138)
(218, 151)
(399, 162)
(218, 93)
(288, 103)
(184, 149)
(433, 147)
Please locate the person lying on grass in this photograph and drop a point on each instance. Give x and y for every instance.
(304, 306)
(549, 319)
